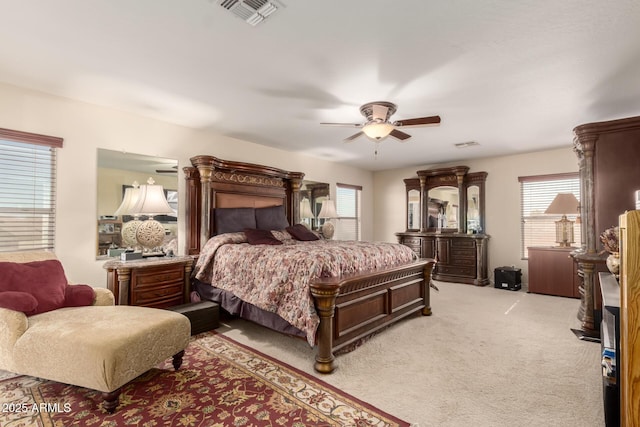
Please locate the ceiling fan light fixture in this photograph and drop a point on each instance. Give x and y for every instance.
(378, 131)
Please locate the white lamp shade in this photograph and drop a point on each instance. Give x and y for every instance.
(378, 131)
(328, 210)
(152, 201)
(305, 209)
(128, 201)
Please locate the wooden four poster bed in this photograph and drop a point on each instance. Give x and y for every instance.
(349, 306)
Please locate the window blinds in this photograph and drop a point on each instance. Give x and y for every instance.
(537, 193)
(27, 190)
(348, 203)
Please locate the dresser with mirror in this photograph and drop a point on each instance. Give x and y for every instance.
(445, 221)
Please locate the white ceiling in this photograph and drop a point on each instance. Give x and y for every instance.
(513, 75)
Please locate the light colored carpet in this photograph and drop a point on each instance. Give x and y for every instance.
(486, 357)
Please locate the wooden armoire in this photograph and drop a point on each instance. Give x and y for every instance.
(609, 163)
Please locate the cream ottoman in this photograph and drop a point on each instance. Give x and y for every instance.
(100, 347)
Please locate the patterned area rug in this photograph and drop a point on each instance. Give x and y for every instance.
(221, 383)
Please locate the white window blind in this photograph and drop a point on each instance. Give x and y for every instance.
(347, 226)
(536, 194)
(27, 190)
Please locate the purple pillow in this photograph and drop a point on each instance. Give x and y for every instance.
(45, 280)
(260, 237)
(18, 301)
(271, 218)
(300, 232)
(78, 295)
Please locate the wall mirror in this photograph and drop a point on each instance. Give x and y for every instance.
(118, 171)
(442, 207)
(413, 209)
(473, 209)
(312, 194)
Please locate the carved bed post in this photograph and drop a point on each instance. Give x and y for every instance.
(428, 268)
(206, 171)
(325, 296)
(296, 183)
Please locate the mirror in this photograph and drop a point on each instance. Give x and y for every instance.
(413, 209)
(315, 193)
(473, 209)
(117, 171)
(442, 207)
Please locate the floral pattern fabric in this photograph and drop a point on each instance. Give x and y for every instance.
(277, 278)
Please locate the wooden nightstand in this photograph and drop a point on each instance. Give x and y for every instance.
(150, 282)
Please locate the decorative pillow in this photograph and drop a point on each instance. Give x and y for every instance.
(300, 232)
(78, 295)
(232, 220)
(45, 280)
(271, 218)
(18, 301)
(260, 237)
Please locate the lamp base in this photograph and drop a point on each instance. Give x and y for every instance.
(327, 230)
(150, 234)
(128, 232)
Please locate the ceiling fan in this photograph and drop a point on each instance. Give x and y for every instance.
(378, 126)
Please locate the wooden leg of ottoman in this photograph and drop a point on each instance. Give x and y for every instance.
(177, 360)
(110, 400)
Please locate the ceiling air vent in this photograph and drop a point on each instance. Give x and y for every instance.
(252, 12)
(466, 144)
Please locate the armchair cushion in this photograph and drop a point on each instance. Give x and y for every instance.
(18, 301)
(46, 282)
(78, 295)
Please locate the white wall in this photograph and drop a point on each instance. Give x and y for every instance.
(86, 127)
(502, 208)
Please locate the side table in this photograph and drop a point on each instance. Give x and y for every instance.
(151, 282)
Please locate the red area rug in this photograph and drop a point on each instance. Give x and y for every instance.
(220, 383)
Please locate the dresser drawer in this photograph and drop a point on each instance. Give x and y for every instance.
(456, 270)
(463, 243)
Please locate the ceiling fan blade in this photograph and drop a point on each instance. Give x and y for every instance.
(400, 135)
(357, 125)
(379, 112)
(419, 121)
(352, 137)
(166, 171)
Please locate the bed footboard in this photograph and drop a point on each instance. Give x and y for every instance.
(354, 306)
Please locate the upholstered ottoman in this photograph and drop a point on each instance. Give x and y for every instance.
(102, 349)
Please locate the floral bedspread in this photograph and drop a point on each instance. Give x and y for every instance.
(276, 278)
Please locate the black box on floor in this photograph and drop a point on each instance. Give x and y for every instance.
(203, 315)
(508, 278)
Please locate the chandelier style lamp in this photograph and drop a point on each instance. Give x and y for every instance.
(328, 211)
(563, 204)
(129, 228)
(151, 201)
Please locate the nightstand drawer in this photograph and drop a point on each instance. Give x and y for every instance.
(158, 296)
(152, 277)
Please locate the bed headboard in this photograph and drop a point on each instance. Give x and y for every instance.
(214, 183)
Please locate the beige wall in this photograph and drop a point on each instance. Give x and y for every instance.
(86, 127)
(502, 198)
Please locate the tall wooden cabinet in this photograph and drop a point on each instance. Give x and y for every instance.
(445, 221)
(609, 155)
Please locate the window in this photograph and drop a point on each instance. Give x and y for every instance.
(348, 209)
(27, 190)
(536, 194)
